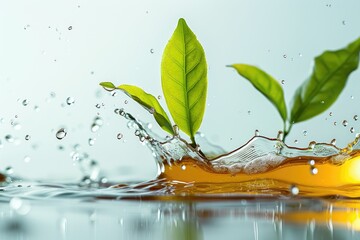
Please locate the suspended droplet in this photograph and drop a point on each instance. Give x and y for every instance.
(345, 123)
(312, 144)
(16, 125)
(114, 94)
(296, 141)
(284, 56)
(151, 50)
(137, 133)
(257, 133)
(305, 133)
(119, 136)
(36, 108)
(300, 54)
(9, 138)
(312, 162)
(9, 170)
(352, 97)
(122, 112)
(282, 81)
(27, 159)
(343, 22)
(61, 133)
(98, 120)
(91, 141)
(70, 28)
(333, 142)
(159, 97)
(98, 105)
(95, 127)
(352, 130)
(356, 117)
(27, 137)
(248, 112)
(335, 123)
(70, 100)
(183, 167)
(25, 102)
(330, 114)
(126, 101)
(314, 170)
(53, 94)
(294, 190)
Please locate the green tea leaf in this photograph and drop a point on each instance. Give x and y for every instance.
(266, 84)
(148, 101)
(321, 89)
(184, 79)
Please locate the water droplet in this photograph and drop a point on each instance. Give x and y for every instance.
(142, 138)
(305, 133)
(25, 102)
(300, 54)
(284, 56)
(294, 190)
(27, 137)
(151, 50)
(296, 141)
(91, 141)
(314, 170)
(53, 94)
(345, 123)
(119, 136)
(70, 28)
(137, 133)
(16, 125)
(126, 101)
(280, 135)
(122, 112)
(282, 81)
(335, 123)
(27, 159)
(26, 26)
(159, 97)
(356, 117)
(312, 144)
(70, 100)
(9, 170)
(98, 105)
(152, 110)
(257, 133)
(94, 127)
(98, 120)
(343, 22)
(352, 97)
(352, 130)
(61, 133)
(36, 108)
(312, 162)
(322, 102)
(9, 138)
(333, 142)
(183, 167)
(330, 114)
(114, 94)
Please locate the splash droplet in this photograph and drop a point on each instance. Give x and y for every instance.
(27, 137)
(282, 81)
(61, 133)
(333, 142)
(70, 101)
(98, 105)
(91, 141)
(25, 102)
(352, 130)
(356, 117)
(305, 133)
(9, 170)
(345, 123)
(151, 50)
(126, 101)
(70, 28)
(284, 56)
(119, 136)
(294, 190)
(257, 133)
(9, 138)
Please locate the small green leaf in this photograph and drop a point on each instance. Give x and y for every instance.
(148, 101)
(184, 79)
(266, 84)
(321, 89)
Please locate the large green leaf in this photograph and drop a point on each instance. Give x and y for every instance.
(148, 101)
(321, 89)
(184, 79)
(266, 84)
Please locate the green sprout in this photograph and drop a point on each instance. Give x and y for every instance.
(313, 96)
(184, 84)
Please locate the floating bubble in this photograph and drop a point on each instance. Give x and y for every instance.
(27, 137)
(91, 141)
(294, 190)
(312, 162)
(183, 167)
(119, 136)
(70, 101)
(137, 133)
(61, 133)
(345, 123)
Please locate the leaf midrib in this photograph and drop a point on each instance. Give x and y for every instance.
(186, 95)
(306, 103)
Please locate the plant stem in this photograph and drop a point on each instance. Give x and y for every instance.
(286, 132)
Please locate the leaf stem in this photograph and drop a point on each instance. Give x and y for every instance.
(286, 132)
